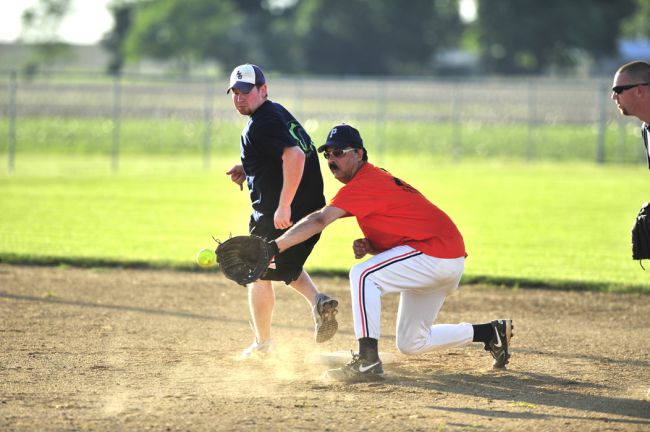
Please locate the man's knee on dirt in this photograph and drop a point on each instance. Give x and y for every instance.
(411, 344)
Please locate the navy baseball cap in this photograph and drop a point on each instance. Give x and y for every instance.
(342, 136)
(245, 77)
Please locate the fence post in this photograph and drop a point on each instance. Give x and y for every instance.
(11, 145)
(621, 139)
(117, 105)
(532, 120)
(207, 131)
(602, 123)
(381, 119)
(455, 118)
(298, 86)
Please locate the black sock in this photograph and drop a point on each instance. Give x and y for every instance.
(483, 332)
(368, 349)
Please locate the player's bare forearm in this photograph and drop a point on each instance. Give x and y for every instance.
(300, 232)
(293, 165)
(309, 226)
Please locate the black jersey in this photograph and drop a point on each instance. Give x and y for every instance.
(645, 134)
(271, 129)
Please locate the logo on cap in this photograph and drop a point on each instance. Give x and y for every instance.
(332, 132)
(239, 75)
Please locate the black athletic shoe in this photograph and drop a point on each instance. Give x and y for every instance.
(499, 346)
(325, 317)
(358, 370)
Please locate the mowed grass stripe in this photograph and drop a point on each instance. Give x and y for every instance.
(564, 225)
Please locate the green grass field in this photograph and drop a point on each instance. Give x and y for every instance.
(558, 225)
(549, 142)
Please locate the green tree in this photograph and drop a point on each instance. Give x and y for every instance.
(637, 25)
(41, 21)
(373, 36)
(113, 40)
(528, 36)
(187, 32)
(40, 24)
(315, 36)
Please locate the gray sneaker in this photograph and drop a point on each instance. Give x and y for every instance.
(324, 313)
(499, 346)
(358, 370)
(258, 351)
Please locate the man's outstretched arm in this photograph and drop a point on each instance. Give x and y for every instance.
(309, 226)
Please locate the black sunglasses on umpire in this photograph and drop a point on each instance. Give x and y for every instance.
(337, 153)
(621, 88)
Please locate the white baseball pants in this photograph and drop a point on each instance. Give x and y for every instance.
(423, 283)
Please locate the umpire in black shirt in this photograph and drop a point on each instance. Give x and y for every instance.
(280, 165)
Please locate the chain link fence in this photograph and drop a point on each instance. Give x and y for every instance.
(517, 118)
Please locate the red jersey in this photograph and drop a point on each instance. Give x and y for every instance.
(392, 213)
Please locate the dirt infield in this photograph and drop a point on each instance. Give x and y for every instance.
(112, 349)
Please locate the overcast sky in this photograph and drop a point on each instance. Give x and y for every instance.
(85, 24)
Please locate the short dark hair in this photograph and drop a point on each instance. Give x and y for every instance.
(365, 154)
(259, 86)
(637, 69)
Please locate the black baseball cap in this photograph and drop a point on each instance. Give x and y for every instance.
(341, 137)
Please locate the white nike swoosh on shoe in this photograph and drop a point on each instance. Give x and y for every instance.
(499, 344)
(365, 369)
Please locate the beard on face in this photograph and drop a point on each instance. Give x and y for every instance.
(332, 166)
(243, 110)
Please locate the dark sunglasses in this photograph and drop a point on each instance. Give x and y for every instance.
(620, 89)
(336, 153)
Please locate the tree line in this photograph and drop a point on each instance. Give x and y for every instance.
(365, 37)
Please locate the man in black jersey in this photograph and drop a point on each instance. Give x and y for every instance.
(280, 165)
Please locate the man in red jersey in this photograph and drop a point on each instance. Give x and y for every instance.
(418, 253)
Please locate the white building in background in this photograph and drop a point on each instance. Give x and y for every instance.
(24, 59)
(18, 57)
